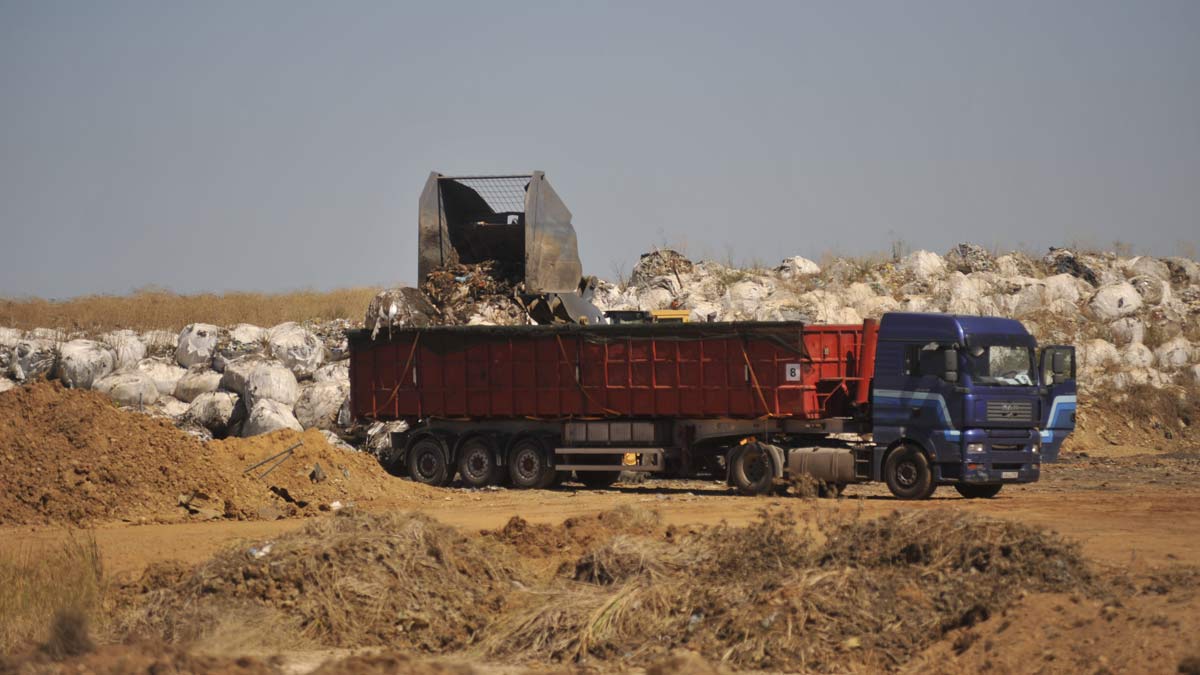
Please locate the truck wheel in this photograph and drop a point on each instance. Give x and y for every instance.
(477, 463)
(977, 491)
(908, 474)
(529, 466)
(427, 463)
(752, 469)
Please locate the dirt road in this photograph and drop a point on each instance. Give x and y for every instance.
(1127, 510)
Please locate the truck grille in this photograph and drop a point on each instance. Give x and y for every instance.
(1009, 411)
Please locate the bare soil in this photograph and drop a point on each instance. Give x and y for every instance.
(71, 459)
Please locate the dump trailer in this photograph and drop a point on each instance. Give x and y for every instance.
(915, 400)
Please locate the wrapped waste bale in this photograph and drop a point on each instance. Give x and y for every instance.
(129, 388)
(169, 406)
(267, 416)
(271, 382)
(82, 362)
(242, 340)
(797, 266)
(217, 411)
(160, 343)
(395, 307)
(297, 348)
(6, 384)
(319, 403)
(31, 359)
(197, 380)
(197, 345)
(127, 348)
(1114, 301)
(163, 371)
(237, 372)
(9, 337)
(333, 372)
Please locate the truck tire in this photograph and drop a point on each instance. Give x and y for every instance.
(908, 473)
(529, 465)
(752, 469)
(477, 463)
(977, 491)
(427, 463)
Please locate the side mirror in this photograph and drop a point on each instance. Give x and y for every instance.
(950, 365)
(1058, 364)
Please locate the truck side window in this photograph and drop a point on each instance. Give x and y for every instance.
(912, 360)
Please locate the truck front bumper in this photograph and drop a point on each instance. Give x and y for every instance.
(1005, 459)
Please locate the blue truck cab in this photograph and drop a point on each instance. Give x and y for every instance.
(967, 401)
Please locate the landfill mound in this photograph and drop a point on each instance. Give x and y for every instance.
(71, 456)
(769, 595)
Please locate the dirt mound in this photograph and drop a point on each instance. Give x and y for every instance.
(391, 663)
(71, 456)
(397, 580)
(574, 535)
(1077, 634)
(766, 596)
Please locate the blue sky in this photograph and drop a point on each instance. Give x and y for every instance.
(279, 145)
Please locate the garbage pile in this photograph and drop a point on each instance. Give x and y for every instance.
(481, 293)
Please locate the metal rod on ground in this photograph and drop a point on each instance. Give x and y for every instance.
(276, 464)
(278, 454)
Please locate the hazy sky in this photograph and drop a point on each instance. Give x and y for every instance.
(281, 145)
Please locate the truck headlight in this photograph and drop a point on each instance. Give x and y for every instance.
(974, 448)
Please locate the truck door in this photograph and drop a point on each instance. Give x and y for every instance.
(1057, 370)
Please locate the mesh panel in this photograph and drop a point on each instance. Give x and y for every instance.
(502, 193)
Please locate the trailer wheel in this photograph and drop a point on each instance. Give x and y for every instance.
(908, 473)
(529, 466)
(752, 469)
(477, 463)
(427, 463)
(977, 491)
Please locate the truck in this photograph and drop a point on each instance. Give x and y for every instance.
(913, 400)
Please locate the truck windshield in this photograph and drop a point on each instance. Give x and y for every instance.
(1000, 365)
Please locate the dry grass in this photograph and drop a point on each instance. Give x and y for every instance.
(158, 309)
(49, 597)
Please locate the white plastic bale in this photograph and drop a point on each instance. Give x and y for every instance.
(163, 371)
(318, 404)
(1114, 301)
(197, 345)
(271, 382)
(241, 340)
(924, 265)
(1174, 353)
(197, 380)
(9, 337)
(129, 388)
(127, 347)
(237, 372)
(82, 362)
(32, 359)
(217, 411)
(297, 348)
(333, 372)
(160, 342)
(7, 385)
(267, 416)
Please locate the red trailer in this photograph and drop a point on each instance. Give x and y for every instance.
(541, 402)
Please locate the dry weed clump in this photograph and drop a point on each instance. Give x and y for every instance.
(49, 598)
(767, 596)
(155, 309)
(396, 580)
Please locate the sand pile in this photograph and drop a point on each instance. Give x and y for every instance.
(71, 456)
